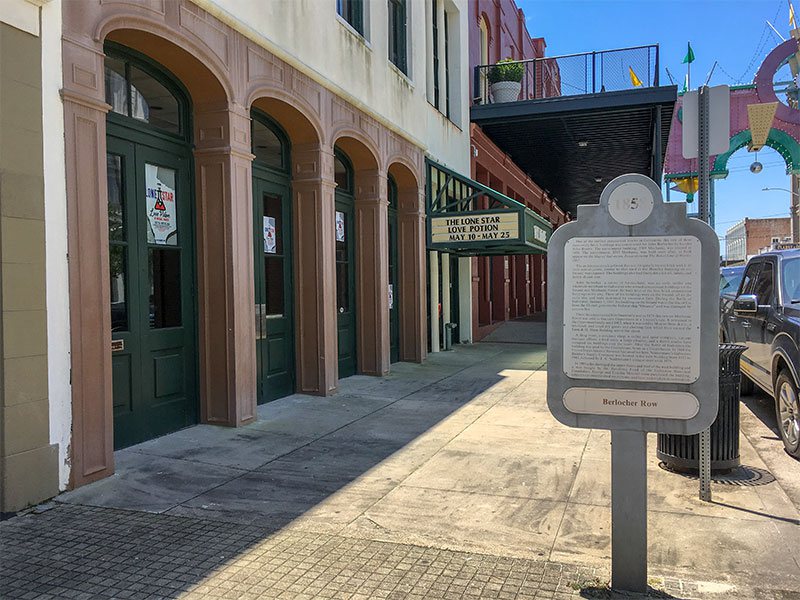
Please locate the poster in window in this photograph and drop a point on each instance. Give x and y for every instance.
(391, 296)
(162, 216)
(339, 226)
(270, 241)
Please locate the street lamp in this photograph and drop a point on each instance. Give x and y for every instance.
(793, 209)
(770, 189)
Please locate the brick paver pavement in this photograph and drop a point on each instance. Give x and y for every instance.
(83, 552)
(443, 480)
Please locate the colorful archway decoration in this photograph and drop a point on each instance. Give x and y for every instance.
(778, 140)
(784, 132)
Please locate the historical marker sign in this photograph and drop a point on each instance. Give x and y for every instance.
(632, 331)
(632, 309)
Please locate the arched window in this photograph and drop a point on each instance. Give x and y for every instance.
(270, 144)
(484, 28)
(342, 171)
(392, 192)
(137, 88)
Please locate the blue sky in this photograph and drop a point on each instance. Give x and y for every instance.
(732, 32)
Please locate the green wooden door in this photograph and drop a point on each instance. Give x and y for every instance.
(151, 261)
(274, 298)
(394, 290)
(345, 284)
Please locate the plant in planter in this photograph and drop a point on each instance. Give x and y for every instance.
(505, 80)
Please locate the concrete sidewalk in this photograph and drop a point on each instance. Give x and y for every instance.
(443, 480)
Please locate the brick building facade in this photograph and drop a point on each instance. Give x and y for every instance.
(753, 236)
(505, 287)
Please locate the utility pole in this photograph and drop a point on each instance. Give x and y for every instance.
(795, 208)
(703, 183)
(704, 194)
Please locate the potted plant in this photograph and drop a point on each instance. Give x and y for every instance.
(505, 80)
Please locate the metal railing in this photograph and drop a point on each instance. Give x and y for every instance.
(569, 75)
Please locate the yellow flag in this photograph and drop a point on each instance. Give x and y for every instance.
(791, 16)
(634, 79)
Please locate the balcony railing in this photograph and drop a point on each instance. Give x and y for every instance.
(569, 75)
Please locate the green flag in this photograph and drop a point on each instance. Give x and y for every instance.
(689, 58)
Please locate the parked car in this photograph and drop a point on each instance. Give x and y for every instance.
(729, 279)
(764, 315)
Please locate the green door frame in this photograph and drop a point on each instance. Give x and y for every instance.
(275, 333)
(346, 261)
(154, 368)
(394, 280)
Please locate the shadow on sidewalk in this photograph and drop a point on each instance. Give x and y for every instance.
(310, 462)
(763, 407)
(601, 592)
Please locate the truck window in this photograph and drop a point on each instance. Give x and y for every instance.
(790, 269)
(749, 279)
(729, 280)
(763, 288)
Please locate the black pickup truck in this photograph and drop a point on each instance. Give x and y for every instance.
(764, 315)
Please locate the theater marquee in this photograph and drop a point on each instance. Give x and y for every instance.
(458, 225)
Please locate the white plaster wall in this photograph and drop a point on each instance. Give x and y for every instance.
(22, 14)
(312, 37)
(55, 213)
(309, 35)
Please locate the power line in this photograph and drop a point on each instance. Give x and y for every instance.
(731, 77)
(760, 46)
(742, 169)
(783, 214)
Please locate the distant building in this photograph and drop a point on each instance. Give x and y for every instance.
(749, 237)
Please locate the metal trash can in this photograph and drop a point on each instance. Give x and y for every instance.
(448, 335)
(682, 452)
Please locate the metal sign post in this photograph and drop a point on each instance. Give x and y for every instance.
(632, 308)
(706, 132)
(629, 510)
(703, 189)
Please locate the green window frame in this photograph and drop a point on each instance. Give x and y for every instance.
(259, 120)
(352, 11)
(343, 171)
(131, 60)
(446, 67)
(435, 27)
(392, 193)
(398, 34)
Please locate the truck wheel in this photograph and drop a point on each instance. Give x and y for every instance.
(745, 385)
(787, 411)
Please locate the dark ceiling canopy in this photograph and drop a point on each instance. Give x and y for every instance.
(572, 146)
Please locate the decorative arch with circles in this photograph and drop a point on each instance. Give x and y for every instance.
(777, 139)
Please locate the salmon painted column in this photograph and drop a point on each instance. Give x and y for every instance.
(223, 167)
(372, 272)
(313, 228)
(92, 448)
(411, 260)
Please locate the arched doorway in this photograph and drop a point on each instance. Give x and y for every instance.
(274, 282)
(394, 289)
(406, 209)
(345, 263)
(151, 232)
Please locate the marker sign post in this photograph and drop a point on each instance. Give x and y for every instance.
(632, 327)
